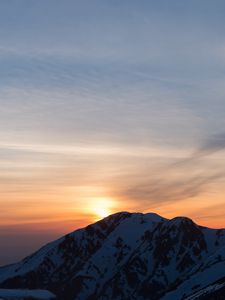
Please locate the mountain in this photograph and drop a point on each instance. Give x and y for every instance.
(128, 256)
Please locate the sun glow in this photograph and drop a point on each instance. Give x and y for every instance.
(102, 207)
(102, 212)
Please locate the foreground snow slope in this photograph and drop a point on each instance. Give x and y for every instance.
(20, 294)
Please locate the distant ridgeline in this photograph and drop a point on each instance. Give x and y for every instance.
(127, 256)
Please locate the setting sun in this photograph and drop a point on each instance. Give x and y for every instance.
(102, 212)
(102, 207)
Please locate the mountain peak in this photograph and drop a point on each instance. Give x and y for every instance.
(182, 220)
(124, 214)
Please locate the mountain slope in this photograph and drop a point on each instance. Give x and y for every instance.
(127, 256)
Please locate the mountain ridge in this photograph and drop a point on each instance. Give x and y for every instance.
(126, 256)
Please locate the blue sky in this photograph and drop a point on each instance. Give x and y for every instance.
(111, 99)
(169, 53)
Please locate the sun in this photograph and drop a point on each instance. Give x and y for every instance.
(102, 207)
(102, 212)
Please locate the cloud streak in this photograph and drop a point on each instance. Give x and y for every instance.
(184, 179)
(209, 146)
(212, 145)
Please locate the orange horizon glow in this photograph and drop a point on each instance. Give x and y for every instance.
(30, 228)
(70, 217)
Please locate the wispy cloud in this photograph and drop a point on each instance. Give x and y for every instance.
(209, 146)
(183, 179)
(212, 145)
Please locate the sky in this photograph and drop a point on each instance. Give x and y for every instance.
(109, 106)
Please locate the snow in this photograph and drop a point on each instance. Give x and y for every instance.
(207, 290)
(17, 294)
(203, 278)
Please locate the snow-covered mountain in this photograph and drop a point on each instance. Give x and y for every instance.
(128, 256)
